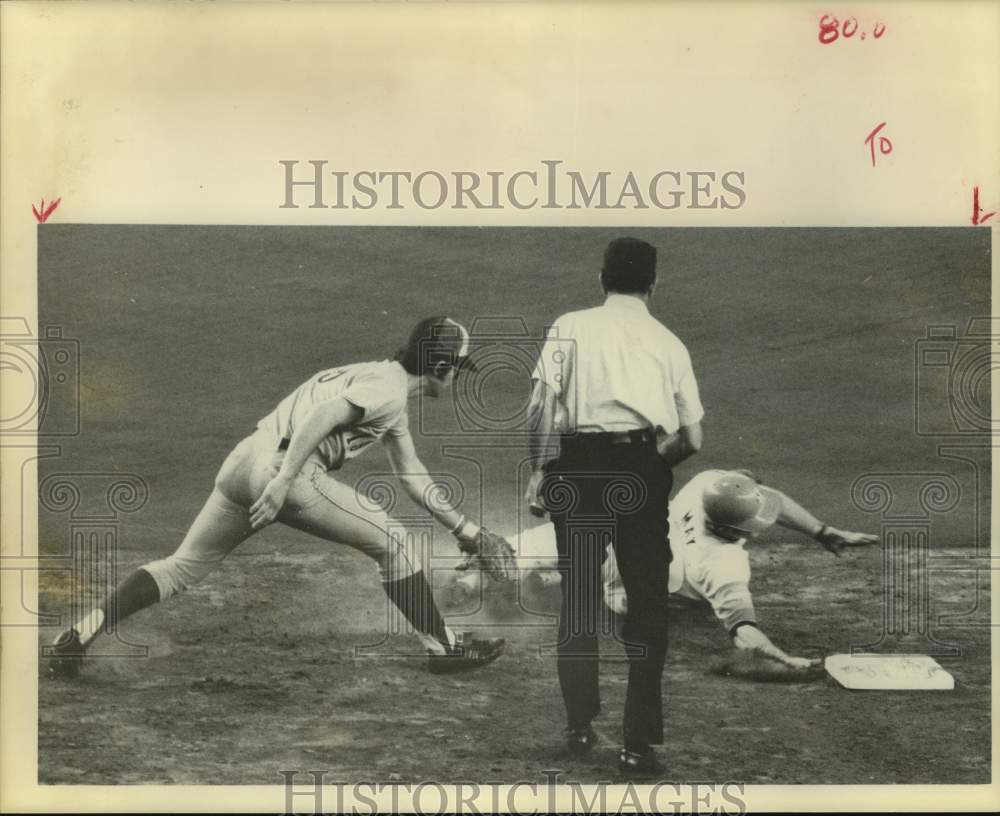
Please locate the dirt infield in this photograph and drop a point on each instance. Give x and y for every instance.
(804, 343)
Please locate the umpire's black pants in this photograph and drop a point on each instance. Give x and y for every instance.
(601, 489)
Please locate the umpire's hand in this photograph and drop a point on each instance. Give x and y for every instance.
(531, 493)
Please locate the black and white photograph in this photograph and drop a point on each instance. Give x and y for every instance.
(813, 399)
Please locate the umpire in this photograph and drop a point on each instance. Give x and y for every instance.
(615, 394)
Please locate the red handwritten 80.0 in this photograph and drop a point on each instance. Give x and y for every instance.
(831, 29)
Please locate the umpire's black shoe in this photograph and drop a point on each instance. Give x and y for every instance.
(580, 741)
(640, 764)
(65, 655)
(466, 655)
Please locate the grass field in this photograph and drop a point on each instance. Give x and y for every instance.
(804, 344)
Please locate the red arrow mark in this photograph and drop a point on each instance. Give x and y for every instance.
(42, 213)
(978, 216)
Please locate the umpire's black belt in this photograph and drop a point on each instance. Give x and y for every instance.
(284, 443)
(638, 436)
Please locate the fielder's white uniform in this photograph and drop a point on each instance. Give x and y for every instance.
(705, 566)
(317, 503)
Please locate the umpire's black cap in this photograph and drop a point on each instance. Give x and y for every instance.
(629, 266)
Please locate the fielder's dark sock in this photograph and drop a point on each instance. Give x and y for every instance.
(413, 597)
(136, 592)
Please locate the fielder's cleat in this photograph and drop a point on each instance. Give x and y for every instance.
(636, 764)
(465, 655)
(580, 741)
(66, 655)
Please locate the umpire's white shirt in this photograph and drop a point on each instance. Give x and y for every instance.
(615, 367)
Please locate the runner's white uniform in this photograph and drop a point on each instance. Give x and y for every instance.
(705, 567)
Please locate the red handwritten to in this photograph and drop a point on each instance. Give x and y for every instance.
(42, 213)
(884, 145)
(978, 216)
(831, 29)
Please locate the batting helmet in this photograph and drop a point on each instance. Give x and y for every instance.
(436, 340)
(737, 501)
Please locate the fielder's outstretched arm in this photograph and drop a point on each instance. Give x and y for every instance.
(493, 553)
(795, 517)
(321, 420)
(420, 487)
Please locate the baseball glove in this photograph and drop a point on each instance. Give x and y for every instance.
(493, 553)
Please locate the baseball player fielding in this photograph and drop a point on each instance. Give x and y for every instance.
(283, 472)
